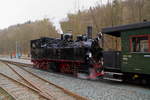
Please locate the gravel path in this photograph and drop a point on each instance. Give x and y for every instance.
(96, 90)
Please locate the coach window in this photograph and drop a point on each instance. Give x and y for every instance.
(139, 44)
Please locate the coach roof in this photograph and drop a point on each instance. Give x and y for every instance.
(117, 29)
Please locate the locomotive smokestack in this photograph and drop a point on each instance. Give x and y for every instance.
(89, 32)
(62, 36)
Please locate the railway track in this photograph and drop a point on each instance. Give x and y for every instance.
(17, 63)
(4, 95)
(19, 91)
(37, 86)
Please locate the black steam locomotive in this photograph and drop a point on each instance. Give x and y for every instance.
(65, 55)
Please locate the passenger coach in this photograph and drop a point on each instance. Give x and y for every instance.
(132, 61)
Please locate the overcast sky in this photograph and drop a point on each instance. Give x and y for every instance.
(19, 11)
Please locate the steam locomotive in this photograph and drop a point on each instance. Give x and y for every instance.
(65, 55)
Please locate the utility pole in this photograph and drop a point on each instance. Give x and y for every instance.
(16, 49)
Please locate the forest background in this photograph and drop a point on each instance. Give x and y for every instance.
(118, 12)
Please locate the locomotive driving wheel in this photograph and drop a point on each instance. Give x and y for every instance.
(65, 68)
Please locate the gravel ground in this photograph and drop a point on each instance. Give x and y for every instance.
(96, 90)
